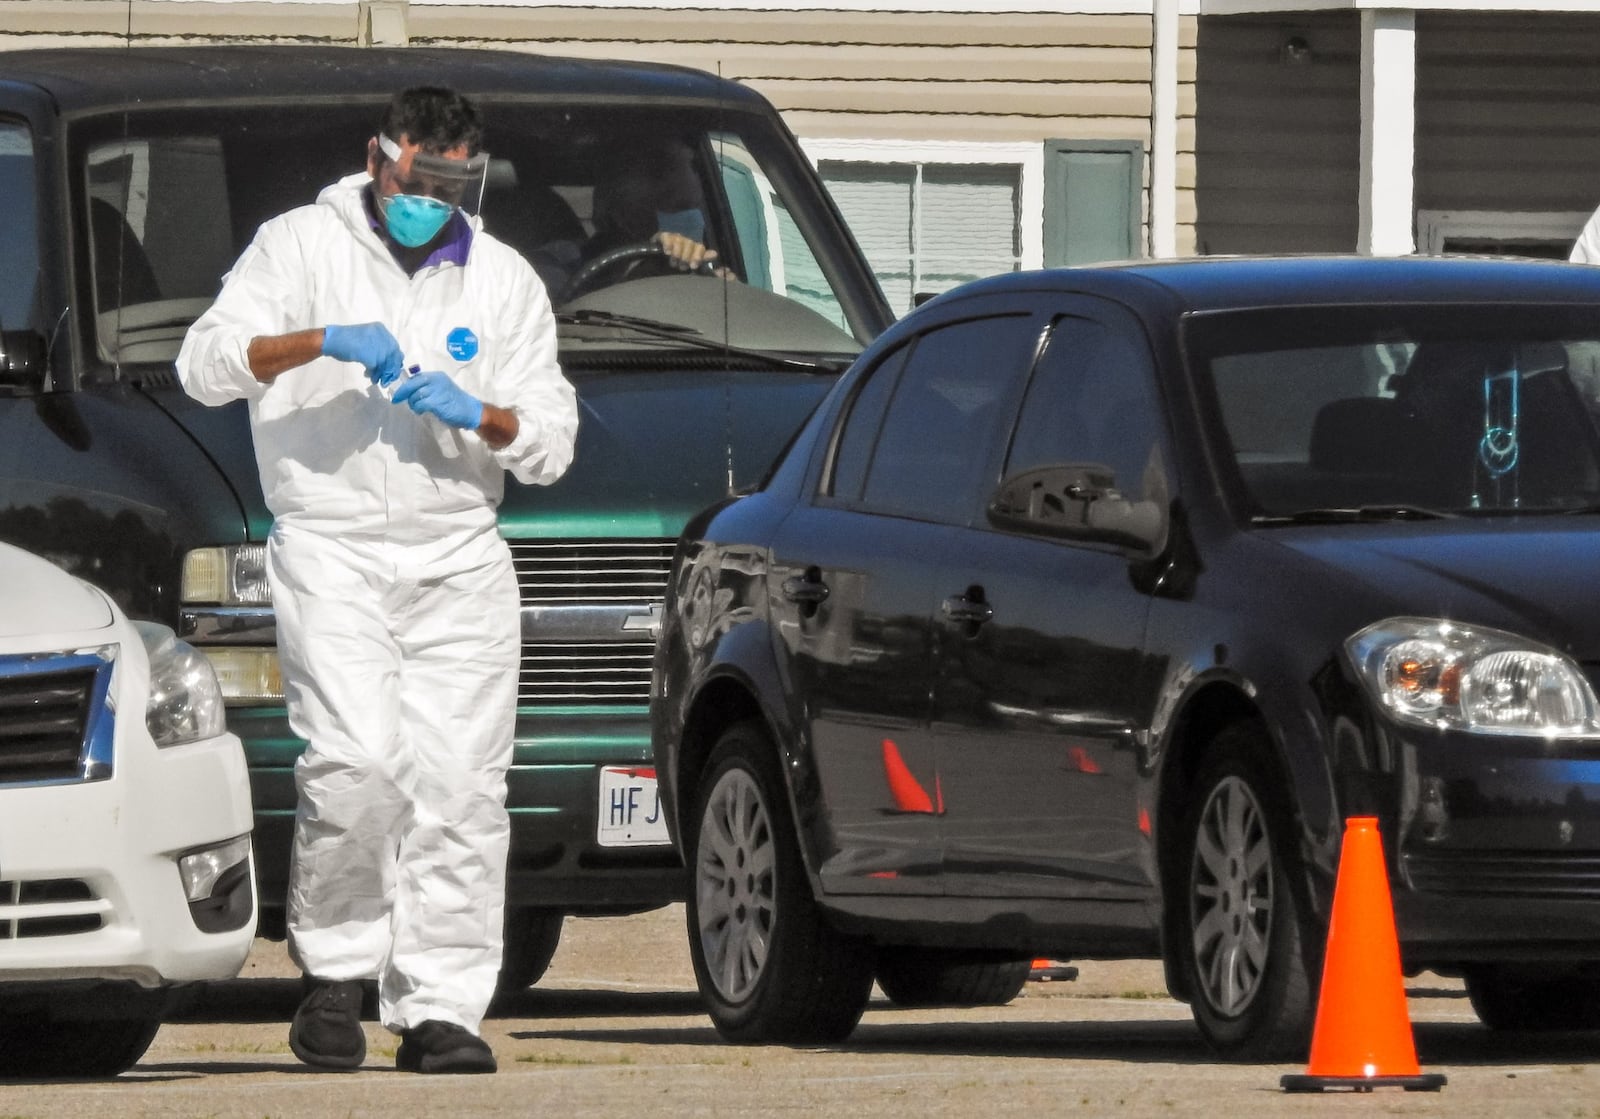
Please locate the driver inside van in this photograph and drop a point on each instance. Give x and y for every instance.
(649, 219)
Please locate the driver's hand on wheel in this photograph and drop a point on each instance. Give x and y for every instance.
(685, 253)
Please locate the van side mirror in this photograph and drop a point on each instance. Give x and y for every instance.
(1077, 501)
(23, 356)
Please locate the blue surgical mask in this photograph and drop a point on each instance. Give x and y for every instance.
(690, 223)
(414, 219)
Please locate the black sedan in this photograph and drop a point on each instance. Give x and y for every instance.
(1091, 603)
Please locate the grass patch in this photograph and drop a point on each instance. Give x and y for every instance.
(560, 1060)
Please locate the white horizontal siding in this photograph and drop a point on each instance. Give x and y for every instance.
(924, 70)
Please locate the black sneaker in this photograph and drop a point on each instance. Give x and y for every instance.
(327, 1026)
(437, 1046)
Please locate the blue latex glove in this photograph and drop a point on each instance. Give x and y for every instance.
(370, 344)
(438, 395)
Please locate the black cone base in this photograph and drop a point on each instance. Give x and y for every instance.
(1304, 1082)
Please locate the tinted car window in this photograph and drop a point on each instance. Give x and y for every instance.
(19, 238)
(1091, 400)
(1468, 412)
(932, 452)
(860, 431)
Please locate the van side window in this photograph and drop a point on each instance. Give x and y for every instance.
(776, 255)
(19, 228)
(159, 240)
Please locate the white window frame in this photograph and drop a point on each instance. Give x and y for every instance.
(1435, 227)
(1028, 157)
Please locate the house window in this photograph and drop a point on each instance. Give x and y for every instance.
(932, 216)
(927, 227)
(1497, 233)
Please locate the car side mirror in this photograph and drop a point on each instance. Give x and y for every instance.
(23, 357)
(1077, 501)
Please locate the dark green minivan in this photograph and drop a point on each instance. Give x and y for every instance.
(131, 179)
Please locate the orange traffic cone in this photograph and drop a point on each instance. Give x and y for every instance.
(1362, 1039)
(1048, 971)
(907, 791)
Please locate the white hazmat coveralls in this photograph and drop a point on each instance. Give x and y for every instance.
(397, 606)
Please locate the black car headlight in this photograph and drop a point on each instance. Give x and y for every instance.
(1450, 676)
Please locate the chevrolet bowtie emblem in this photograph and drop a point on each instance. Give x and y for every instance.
(647, 622)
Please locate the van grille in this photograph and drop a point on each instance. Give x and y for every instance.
(600, 598)
(43, 716)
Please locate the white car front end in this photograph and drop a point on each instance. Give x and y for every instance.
(125, 810)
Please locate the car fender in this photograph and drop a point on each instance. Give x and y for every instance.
(1197, 700)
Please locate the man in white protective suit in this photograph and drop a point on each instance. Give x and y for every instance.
(397, 361)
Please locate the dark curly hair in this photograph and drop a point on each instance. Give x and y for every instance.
(435, 118)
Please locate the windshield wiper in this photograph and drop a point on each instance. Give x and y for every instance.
(689, 336)
(1353, 515)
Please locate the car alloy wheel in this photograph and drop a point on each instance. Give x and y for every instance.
(768, 964)
(734, 883)
(1239, 935)
(1231, 897)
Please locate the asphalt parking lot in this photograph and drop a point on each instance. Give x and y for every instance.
(615, 1030)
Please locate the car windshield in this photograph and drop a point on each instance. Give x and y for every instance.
(1410, 412)
(170, 197)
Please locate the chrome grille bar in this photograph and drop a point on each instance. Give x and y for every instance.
(590, 610)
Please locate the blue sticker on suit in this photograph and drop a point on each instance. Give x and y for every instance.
(462, 344)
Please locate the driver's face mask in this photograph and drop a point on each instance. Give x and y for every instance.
(690, 223)
(437, 185)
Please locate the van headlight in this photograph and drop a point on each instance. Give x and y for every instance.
(185, 703)
(1448, 676)
(232, 575)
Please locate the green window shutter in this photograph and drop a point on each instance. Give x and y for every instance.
(1092, 200)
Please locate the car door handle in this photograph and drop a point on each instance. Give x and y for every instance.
(968, 610)
(807, 589)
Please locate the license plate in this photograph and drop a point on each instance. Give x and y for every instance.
(630, 808)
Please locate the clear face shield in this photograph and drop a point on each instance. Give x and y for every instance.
(435, 187)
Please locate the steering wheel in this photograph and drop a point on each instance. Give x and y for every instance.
(622, 257)
(588, 275)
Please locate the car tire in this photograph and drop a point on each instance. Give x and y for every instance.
(1509, 998)
(769, 966)
(46, 1049)
(1241, 948)
(531, 938)
(918, 977)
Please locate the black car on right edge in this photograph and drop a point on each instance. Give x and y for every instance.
(1089, 605)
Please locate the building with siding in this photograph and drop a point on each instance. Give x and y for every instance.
(1437, 126)
(965, 138)
(1008, 134)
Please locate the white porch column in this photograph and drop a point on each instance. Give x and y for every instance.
(1164, 130)
(1388, 131)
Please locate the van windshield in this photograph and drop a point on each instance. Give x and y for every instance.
(1406, 411)
(587, 193)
